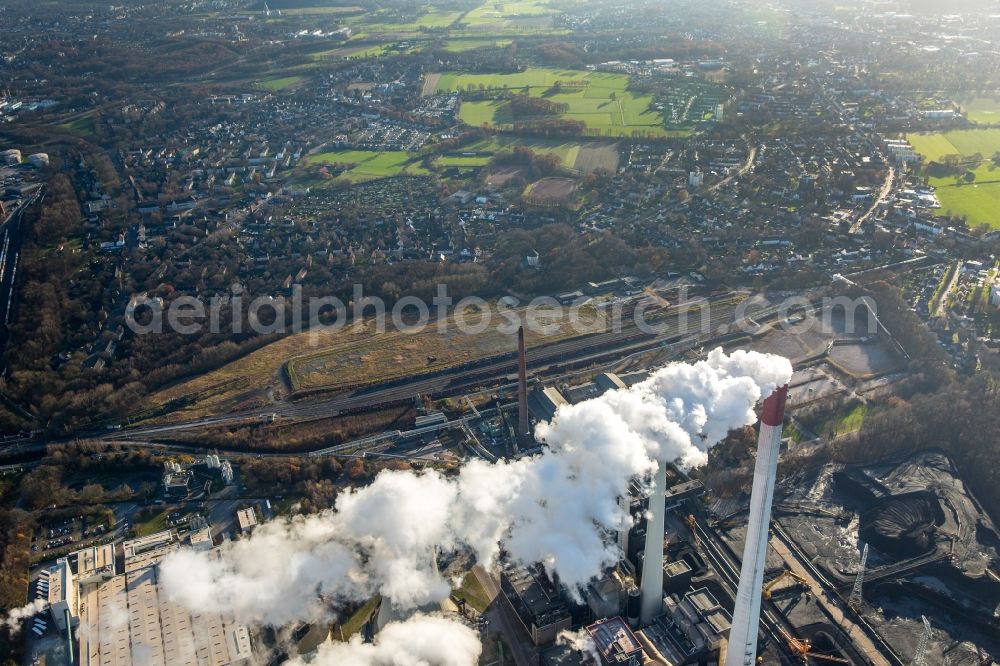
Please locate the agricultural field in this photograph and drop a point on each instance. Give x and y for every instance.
(936, 145)
(600, 100)
(461, 45)
(370, 165)
(522, 17)
(386, 22)
(277, 83)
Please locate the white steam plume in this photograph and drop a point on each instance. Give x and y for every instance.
(421, 640)
(551, 508)
(581, 642)
(15, 617)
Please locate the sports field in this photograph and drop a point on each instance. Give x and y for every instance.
(600, 100)
(369, 164)
(936, 145)
(977, 201)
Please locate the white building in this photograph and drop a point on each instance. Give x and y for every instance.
(128, 620)
(901, 151)
(63, 594)
(695, 179)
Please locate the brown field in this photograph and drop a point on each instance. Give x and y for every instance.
(550, 191)
(594, 156)
(430, 84)
(395, 355)
(351, 356)
(503, 175)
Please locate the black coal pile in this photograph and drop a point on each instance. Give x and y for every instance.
(902, 526)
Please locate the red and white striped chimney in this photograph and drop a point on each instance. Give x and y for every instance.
(746, 614)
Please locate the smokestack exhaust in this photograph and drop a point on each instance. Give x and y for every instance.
(522, 390)
(746, 614)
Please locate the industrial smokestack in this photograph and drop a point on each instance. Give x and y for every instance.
(625, 504)
(746, 614)
(652, 559)
(522, 389)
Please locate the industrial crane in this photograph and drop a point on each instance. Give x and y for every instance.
(769, 587)
(803, 650)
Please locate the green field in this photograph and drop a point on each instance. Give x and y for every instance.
(983, 110)
(935, 145)
(369, 164)
(461, 161)
(522, 16)
(600, 100)
(83, 126)
(305, 11)
(278, 82)
(387, 22)
(567, 151)
(460, 45)
(977, 201)
(358, 51)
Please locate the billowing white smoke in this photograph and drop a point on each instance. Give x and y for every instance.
(581, 642)
(421, 640)
(14, 618)
(550, 508)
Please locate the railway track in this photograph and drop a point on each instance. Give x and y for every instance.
(886, 651)
(724, 564)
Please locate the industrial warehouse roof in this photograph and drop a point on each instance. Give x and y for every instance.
(128, 620)
(247, 518)
(94, 560)
(613, 636)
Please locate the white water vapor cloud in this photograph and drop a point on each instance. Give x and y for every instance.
(17, 616)
(551, 508)
(421, 640)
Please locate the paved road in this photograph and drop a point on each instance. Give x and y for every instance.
(499, 615)
(890, 179)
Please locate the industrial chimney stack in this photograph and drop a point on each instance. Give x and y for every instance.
(746, 615)
(652, 559)
(522, 390)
